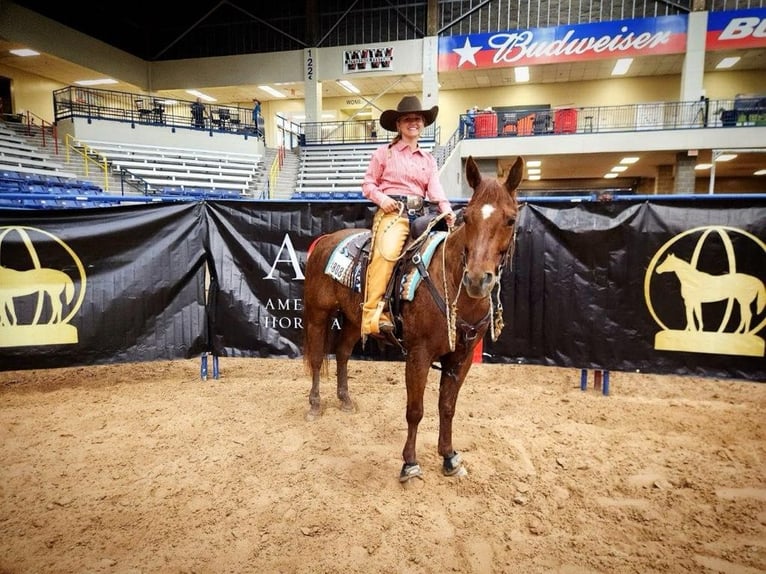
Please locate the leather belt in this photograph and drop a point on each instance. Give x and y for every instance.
(412, 203)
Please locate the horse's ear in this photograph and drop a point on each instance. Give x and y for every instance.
(472, 173)
(515, 174)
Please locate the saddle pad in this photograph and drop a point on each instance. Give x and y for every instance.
(344, 264)
(412, 279)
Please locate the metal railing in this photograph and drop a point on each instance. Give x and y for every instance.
(72, 102)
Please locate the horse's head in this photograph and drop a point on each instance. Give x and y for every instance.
(490, 220)
(669, 264)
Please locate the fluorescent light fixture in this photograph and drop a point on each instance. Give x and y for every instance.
(534, 178)
(348, 86)
(99, 82)
(272, 91)
(521, 73)
(534, 163)
(534, 171)
(201, 96)
(760, 172)
(24, 52)
(726, 157)
(610, 175)
(701, 166)
(628, 160)
(727, 63)
(622, 66)
(619, 168)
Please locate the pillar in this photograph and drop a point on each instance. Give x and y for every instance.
(684, 173)
(663, 184)
(313, 87)
(693, 71)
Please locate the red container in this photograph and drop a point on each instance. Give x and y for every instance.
(486, 125)
(565, 121)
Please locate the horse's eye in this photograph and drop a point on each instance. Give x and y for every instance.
(511, 221)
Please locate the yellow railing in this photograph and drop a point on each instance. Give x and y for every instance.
(84, 151)
(276, 167)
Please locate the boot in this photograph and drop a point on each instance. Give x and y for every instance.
(389, 232)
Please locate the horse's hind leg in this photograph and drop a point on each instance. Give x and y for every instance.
(316, 326)
(349, 335)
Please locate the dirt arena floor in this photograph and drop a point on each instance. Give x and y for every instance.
(147, 469)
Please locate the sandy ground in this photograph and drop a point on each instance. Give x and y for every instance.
(146, 468)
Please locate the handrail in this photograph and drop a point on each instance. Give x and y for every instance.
(84, 151)
(275, 169)
(29, 122)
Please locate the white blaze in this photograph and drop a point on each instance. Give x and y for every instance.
(486, 210)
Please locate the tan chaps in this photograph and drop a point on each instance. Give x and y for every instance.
(389, 232)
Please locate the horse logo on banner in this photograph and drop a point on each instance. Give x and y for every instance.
(37, 302)
(710, 281)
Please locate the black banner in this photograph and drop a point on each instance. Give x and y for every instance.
(106, 285)
(663, 286)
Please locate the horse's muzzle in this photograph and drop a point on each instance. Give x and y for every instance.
(479, 286)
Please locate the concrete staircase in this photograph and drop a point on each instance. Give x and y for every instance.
(287, 177)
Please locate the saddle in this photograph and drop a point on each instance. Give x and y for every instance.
(348, 262)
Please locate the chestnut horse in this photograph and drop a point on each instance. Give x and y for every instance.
(443, 322)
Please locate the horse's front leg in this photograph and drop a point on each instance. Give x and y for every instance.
(350, 333)
(454, 370)
(416, 377)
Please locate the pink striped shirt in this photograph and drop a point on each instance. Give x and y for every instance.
(399, 170)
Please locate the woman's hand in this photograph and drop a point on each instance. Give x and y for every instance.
(450, 217)
(389, 205)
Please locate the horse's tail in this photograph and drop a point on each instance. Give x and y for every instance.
(760, 298)
(68, 290)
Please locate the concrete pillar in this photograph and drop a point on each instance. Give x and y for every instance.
(663, 184)
(313, 99)
(684, 174)
(693, 71)
(430, 71)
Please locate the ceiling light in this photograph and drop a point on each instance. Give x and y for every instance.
(521, 73)
(727, 63)
(726, 157)
(272, 91)
(24, 52)
(534, 178)
(534, 163)
(628, 160)
(533, 171)
(610, 175)
(100, 82)
(348, 86)
(201, 96)
(622, 66)
(701, 166)
(760, 172)
(619, 168)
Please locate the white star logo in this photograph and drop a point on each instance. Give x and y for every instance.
(467, 53)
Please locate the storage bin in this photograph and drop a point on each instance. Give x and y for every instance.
(565, 121)
(486, 125)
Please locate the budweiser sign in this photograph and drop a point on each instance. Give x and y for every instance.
(616, 39)
(736, 29)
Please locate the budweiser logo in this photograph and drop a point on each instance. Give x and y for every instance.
(512, 47)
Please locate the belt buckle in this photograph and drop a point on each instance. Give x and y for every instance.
(413, 204)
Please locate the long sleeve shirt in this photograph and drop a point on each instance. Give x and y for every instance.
(400, 170)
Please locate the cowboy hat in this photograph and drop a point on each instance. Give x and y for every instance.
(408, 105)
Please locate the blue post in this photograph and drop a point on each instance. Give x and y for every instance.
(203, 367)
(605, 389)
(215, 367)
(583, 379)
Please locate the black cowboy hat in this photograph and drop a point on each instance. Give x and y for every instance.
(408, 105)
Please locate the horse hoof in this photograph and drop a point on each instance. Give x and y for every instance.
(347, 407)
(409, 471)
(312, 415)
(453, 466)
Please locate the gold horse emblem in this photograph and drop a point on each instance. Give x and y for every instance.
(42, 281)
(698, 287)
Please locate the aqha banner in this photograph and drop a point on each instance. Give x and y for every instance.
(736, 29)
(576, 43)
